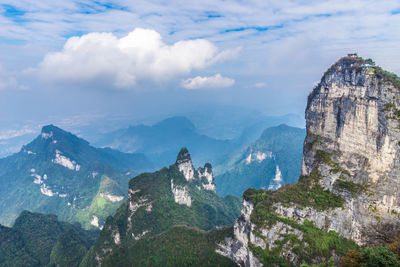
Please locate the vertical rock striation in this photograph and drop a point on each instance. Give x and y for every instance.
(352, 116)
(184, 163)
(349, 185)
(207, 174)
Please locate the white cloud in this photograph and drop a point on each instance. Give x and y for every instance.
(216, 81)
(140, 56)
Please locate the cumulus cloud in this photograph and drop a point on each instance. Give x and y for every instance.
(216, 81)
(123, 62)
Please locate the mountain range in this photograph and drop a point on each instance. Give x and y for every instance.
(343, 211)
(62, 174)
(162, 141)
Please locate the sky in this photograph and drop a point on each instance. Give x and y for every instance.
(66, 60)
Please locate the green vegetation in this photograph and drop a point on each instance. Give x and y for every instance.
(38, 240)
(178, 246)
(322, 156)
(316, 243)
(74, 190)
(359, 63)
(316, 139)
(12, 249)
(207, 210)
(341, 184)
(270, 258)
(69, 250)
(371, 257)
(387, 76)
(394, 113)
(349, 186)
(307, 193)
(370, 62)
(157, 213)
(372, 208)
(100, 206)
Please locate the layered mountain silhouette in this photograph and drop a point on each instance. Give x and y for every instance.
(62, 174)
(272, 161)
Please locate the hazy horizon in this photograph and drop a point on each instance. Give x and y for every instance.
(78, 62)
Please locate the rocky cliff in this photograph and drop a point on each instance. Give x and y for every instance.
(158, 202)
(348, 193)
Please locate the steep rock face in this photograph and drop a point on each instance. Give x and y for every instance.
(185, 165)
(181, 194)
(347, 195)
(237, 249)
(352, 116)
(207, 174)
(159, 201)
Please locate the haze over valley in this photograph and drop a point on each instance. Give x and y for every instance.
(213, 133)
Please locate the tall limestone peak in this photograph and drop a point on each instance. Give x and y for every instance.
(353, 139)
(207, 174)
(349, 188)
(159, 201)
(183, 156)
(204, 175)
(184, 163)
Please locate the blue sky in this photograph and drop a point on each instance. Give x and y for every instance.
(62, 58)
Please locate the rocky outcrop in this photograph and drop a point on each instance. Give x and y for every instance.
(206, 173)
(159, 201)
(352, 116)
(202, 179)
(181, 194)
(349, 182)
(237, 249)
(184, 163)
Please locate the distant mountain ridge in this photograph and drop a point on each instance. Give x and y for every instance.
(270, 162)
(62, 174)
(162, 141)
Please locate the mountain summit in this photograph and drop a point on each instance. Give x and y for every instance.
(347, 195)
(158, 203)
(184, 163)
(183, 156)
(61, 173)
